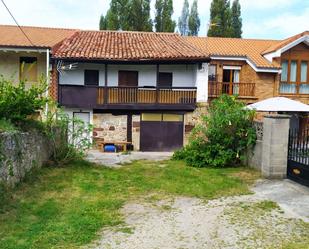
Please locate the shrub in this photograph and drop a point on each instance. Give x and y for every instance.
(7, 126)
(223, 137)
(17, 102)
(70, 137)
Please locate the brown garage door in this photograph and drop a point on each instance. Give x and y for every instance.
(161, 135)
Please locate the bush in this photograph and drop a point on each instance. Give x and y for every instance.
(7, 126)
(18, 103)
(70, 137)
(223, 137)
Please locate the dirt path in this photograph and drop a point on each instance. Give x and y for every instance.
(248, 221)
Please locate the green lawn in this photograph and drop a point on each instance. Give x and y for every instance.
(66, 207)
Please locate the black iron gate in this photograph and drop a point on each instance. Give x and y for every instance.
(298, 156)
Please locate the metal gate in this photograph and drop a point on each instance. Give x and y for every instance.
(298, 156)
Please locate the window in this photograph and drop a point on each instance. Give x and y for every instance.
(284, 74)
(28, 69)
(231, 80)
(151, 117)
(165, 80)
(303, 71)
(293, 71)
(91, 77)
(212, 72)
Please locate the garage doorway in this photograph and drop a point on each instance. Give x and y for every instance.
(161, 132)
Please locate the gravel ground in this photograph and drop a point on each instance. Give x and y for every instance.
(249, 221)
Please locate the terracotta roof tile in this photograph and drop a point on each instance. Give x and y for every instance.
(234, 47)
(11, 36)
(127, 46)
(285, 42)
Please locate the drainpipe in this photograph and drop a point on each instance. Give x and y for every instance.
(47, 80)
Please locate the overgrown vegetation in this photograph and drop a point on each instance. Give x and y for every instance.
(223, 137)
(66, 207)
(21, 108)
(17, 103)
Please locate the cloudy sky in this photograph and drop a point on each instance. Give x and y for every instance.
(275, 19)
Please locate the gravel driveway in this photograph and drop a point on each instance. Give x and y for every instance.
(249, 221)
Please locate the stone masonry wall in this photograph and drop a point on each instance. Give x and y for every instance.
(191, 119)
(19, 153)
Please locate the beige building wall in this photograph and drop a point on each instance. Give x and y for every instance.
(9, 64)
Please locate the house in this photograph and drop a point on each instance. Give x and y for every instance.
(140, 87)
(23, 58)
(257, 69)
(150, 88)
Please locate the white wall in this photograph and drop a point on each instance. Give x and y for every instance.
(183, 75)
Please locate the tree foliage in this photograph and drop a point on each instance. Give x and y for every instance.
(223, 137)
(194, 20)
(236, 19)
(224, 20)
(127, 15)
(183, 21)
(163, 18)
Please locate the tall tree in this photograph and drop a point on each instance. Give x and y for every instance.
(102, 24)
(163, 18)
(220, 19)
(194, 20)
(139, 15)
(116, 16)
(236, 19)
(183, 20)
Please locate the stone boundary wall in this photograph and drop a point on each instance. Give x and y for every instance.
(20, 152)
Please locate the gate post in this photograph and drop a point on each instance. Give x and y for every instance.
(275, 146)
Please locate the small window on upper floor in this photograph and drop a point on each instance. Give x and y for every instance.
(91, 77)
(28, 69)
(284, 73)
(165, 80)
(212, 72)
(304, 72)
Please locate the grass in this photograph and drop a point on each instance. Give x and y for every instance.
(66, 207)
(7, 126)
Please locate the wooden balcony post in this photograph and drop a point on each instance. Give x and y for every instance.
(105, 86)
(157, 84)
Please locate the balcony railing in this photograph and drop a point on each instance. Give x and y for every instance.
(241, 89)
(94, 97)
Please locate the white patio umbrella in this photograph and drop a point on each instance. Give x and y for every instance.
(279, 104)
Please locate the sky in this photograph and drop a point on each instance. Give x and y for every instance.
(262, 19)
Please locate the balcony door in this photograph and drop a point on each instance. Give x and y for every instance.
(231, 80)
(128, 83)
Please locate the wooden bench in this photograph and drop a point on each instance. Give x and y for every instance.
(123, 144)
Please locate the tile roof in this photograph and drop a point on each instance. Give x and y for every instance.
(285, 42)
(252, 49)
(12, 36)
(127, 46)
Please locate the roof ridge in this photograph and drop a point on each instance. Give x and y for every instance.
(233, 38)
(37, 27)
(130, 31)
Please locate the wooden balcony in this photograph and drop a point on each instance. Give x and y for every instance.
(134, 98)
(241, 90)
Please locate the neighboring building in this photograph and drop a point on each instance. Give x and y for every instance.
(21, 59)
(132, 86)
(257, 69)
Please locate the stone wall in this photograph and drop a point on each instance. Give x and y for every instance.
(19, 153)
(191, 119)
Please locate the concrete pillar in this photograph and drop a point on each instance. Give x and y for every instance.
(275, 146)
(202, 83)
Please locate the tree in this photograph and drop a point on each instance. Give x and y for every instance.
(236, 19)
(102, 24)
(184, 19)
(139, 15)
(194, 20)
(163, 18)
(220, 19)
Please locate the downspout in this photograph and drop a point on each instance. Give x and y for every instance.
(47, 80)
